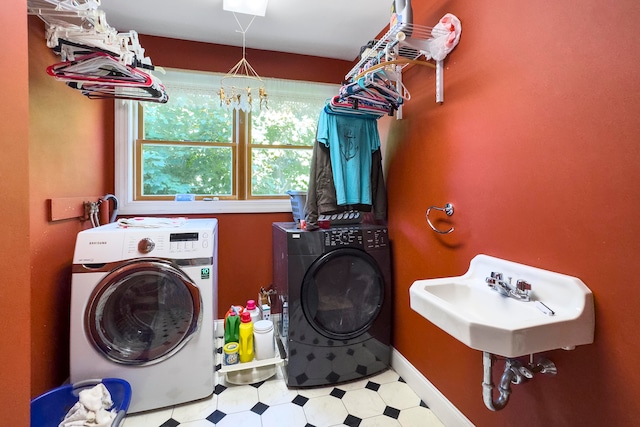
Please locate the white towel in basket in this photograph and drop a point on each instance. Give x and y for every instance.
(91, 409)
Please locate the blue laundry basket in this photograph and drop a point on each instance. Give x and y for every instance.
(50, 408)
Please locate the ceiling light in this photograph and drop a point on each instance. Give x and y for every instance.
(249, 7)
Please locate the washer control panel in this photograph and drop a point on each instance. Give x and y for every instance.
(195, 238)
(171, 245)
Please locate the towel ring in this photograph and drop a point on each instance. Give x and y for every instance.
(448, 209)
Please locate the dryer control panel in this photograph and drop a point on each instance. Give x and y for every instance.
(356, 237)
(376, 238)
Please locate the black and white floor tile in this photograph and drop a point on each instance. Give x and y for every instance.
(378, 401)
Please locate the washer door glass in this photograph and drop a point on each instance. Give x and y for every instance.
(143, 312)
(342, 293)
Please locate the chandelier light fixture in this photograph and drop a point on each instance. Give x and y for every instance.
(242, 88)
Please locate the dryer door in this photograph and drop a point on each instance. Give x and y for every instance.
(342, 293)
(143, 312)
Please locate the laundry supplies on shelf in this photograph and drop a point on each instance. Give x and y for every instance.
(253, 310)
(231, 353)
(263, 340)
(246, 338)
(232, 328)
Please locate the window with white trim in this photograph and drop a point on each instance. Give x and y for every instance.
(230, 161)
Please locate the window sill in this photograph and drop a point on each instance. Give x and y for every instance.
(204, 207)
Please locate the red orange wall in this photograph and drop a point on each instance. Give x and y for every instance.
(14, 216)
(70, 155)
(537, 146)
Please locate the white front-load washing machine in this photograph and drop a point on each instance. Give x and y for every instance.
(143, 306)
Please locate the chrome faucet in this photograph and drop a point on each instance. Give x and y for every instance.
(521, 291)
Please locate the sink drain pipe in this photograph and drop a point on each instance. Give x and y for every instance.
(487, 385)
(514, 373)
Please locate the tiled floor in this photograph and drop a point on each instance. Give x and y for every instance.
(381, 400)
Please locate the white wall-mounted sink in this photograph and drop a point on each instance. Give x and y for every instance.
(468, 309)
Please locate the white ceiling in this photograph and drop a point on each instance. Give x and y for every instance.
(327, 28)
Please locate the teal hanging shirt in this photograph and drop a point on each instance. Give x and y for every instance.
(351, 141)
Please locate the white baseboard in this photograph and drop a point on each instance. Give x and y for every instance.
(441, 407)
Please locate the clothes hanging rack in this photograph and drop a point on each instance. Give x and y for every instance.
(402, 61)
(78, 31)
(397, 44)
(406, 44)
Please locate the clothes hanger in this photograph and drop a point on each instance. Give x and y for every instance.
(394, 80)
(394, 61)
(379, 95)
(96, 59)
(101, 76)
(99, 67)
(355, 107)
(373, 91)
(154, 93)
(385, 87)
(87, 27)
(349, 112)
(358, 91)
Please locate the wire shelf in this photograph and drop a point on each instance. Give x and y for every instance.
(402, 41)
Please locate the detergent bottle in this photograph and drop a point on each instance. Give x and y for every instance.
(246, 338)
(231, 328)
(237, 309)
(253, 310)
(401, 16)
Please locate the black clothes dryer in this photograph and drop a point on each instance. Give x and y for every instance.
(333, 302)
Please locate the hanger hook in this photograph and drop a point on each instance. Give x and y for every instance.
(448, 209)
